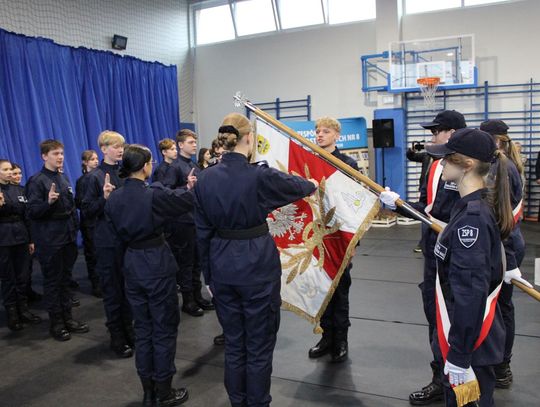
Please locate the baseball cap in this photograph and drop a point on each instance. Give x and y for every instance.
(447, 118)
(473, 143)
(494, 127)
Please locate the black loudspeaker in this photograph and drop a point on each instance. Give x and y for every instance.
(383, 133)
(119, 42)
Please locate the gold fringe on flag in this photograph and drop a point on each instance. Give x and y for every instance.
(467, 393)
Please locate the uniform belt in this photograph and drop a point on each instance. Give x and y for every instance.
(148, 243)
(243, 234)
(11, 219)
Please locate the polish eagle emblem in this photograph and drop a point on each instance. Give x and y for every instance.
(286, 220)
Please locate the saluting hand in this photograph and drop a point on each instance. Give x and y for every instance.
(107, 187)
(191, 179)
(2, 200)
(53, 195)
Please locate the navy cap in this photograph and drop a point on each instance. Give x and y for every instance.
(494, 127)
(449, 119)
(473, 143)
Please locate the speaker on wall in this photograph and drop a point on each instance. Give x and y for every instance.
(383, 133)
(119, 42)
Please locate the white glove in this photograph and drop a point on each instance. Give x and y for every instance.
(389, 198)
(515, 274)
(456, 374)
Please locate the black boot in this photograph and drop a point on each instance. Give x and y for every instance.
(340, 350)
(26, 315)
(75, 302)
(202, 302)
(58, 328)
(13, 321)
(168, 396)
(73, 325)
(431, 393)
(219, 340)
(189, 306)
(503, 375)
(149, 389)
(323, 347)
(120, 346)
(130, 335)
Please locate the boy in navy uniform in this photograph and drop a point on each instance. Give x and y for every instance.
(335, 320)
(109, 250)
(165, 172)
(437, 198)
(15, 250)
(54, 224)
(239, 258)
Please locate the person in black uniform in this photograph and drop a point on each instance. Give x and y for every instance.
(15, 250)
(239, 258)
(165, 172)
(437, 198)
(335, 320)
(470, 262)
(54, 223)
(90, 162)
(514, 245)
(109, 249)
(138, 215)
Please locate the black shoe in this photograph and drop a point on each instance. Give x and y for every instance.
(130, 336)
(119, 345)
(432, 393)
(58, 328)
(503, 376)
(189, 306)
(76, 327)
(149, 389)
(417, 249)
(75, 302)
(27, 316)
(219, 340)
(73, 284)
(13, 321)
(322, 348)
(340, 352)
(204, 303)
(174, 398)
(33, 296)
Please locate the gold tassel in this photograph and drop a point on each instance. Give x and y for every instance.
(318, 329)
(467, 393)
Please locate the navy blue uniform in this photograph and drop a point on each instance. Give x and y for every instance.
(232, 198)
(87, 226)
(335, 320)
(514, 247)
(469, 258)
(54, 231)
(138, 214)
(14, 245)
(109, 250)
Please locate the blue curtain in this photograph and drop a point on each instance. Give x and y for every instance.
(72, 94)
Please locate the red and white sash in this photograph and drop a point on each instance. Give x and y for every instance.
(443, 320)
(432, 186)
(518, 211)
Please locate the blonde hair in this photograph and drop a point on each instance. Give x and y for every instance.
(328, 122)
(165, 144)
(239, 122)
(110, 138)
(510, 150)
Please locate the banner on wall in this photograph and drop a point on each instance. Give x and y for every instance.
(353, 132)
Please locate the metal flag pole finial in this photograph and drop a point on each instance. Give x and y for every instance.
(239, 99)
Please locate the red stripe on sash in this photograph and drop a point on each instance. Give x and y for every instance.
(431, 176)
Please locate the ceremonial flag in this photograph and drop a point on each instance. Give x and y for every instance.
(316, 236)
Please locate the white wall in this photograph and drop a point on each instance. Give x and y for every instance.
(325, 62)
(157, 30)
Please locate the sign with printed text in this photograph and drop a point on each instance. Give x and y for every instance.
(353, 132)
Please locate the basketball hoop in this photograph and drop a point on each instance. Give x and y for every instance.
(428, 87)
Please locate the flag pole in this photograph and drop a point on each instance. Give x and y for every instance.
(240, 100)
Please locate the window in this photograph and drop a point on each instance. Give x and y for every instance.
(346, 11)
(214, 24)
(420, 6)
(478, 2)
(298, 13)
(254, 16)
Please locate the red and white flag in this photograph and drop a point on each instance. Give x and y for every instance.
(317, 235)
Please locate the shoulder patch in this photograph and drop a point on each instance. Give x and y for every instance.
(440, 251)
(450, 186)
(263, 163)
(468, 235)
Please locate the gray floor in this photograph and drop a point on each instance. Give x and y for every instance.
(389, 354)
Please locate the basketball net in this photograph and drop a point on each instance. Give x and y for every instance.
(428, 87)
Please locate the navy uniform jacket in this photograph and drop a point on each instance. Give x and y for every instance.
(93, 203)
(139, 213)
(469, 262)
(56, 224)
(167, 174)
(183, 167)
(80, 188)
(236, 195)
(345, 158)
(514, 245)
(14, 227)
